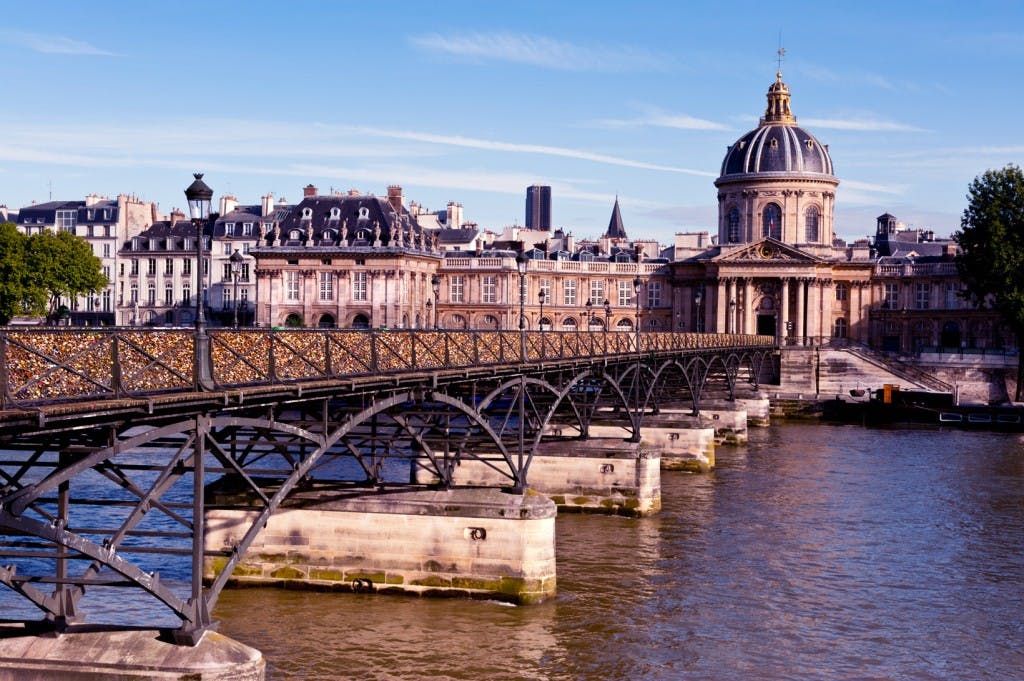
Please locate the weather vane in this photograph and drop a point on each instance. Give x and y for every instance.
(781, 52)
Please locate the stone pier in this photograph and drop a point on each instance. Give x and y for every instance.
(87, 653)
(598, 475)
(474, 543)
(729, 425)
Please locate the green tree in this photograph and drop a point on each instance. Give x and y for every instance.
(63, 265)
(991, 239)
(18, 293)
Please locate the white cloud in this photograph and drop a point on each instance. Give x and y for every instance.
(873, 187)
(539, 51)
(859, 125)
(53, 44)
(660, 119)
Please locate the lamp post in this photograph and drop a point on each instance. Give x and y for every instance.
(637, 283)
(430, 306)
(236, 271)
(199, 196)
(435, 284)
(540, 299)
(607, 315)
(521, 261)
(699, 299)
(590, 314)
(731, 326)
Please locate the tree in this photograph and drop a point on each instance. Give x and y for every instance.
(18, 293)
(991, 239)
(63, 265)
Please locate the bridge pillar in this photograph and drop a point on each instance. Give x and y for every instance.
(687, 447)
(86, 653)
(475, 543)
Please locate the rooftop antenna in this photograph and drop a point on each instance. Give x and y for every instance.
(49, 183)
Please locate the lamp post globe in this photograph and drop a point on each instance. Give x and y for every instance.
(590, 314)
(236, 260)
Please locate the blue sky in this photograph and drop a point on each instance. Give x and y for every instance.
(473, 101)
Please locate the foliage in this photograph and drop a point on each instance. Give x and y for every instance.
(36, 271)
(64, 266)
(991, 239)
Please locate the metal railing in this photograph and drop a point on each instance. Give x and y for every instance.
(63, 365)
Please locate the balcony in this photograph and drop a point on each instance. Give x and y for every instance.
(935, 269)
(555, 266)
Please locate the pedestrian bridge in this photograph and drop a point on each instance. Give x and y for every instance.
(113, 439)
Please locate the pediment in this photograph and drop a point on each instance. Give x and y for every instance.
(767, 251)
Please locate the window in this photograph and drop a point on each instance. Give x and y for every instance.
(545, 289)
(842, 290)
(953, 299)
(327, 286)
(135, 267)
(169, 295)
(569, 292)
(106, 229)
(291, 285)
(106, 250)
(186, 295)
(359, 286)
(653, 294)
(225, 297)
(107, 301)
(490, 289)
(169, 243)
(227, 272)
(733, 225)
(246, 229)
(625, 293)
(891, 297)
(186, 266)
(243, 275)
(65, 220)
(106, 271)
(811, 223)
(151, 294)
(227, 249)
(922, 295)
(597, 291)
(151, 267)
(243, 298)
(245, 249)
(456, 289)
(839, 329)
(229, 229)
(771, 220)
(169, 266)
(134, 293)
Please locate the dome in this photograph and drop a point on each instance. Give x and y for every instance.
(778, 144)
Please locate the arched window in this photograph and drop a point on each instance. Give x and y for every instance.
(568, 324)
(733, 225)
(294, 320)
(544, 324)
(624, 325)
(811, 223)
(839, 328)
(771, 221)
(360, 321)
(326, 322)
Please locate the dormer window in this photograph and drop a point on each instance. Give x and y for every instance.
(810, 145)
(773, 143)
(363, 235)
(187, 244)
(229, 229)
(307, 213)
(295, 235)
(335, 213)
(328, 235)
(90, 215)
(170, 243)
(152, 244)
(135, 243)
(106, 213)
(246, 229)
(364, 213)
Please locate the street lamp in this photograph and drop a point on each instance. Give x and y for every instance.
(732, 316)
(698, 299)
(607, 315)
(430, 306)
(435, 284)
(521, 261)
(236, 271)
(590, 314)
(199, 196)
(540, 299)
(637, 283)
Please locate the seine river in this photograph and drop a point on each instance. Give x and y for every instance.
(817, 552)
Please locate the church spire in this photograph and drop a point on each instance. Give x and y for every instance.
(615, 228)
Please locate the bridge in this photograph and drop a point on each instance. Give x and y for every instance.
(113, 439)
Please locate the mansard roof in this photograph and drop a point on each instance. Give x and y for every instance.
(360, 217)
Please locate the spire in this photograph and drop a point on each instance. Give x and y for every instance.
(615, 228)
(778, 111)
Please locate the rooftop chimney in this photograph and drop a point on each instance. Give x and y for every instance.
(227, 204)
(395, 198)
(267, 205)
(309, 190)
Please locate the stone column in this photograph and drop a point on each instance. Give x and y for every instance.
(828, 295)
(813, 311)
(784, 310)
(801, 310)
(748, 306)
(721, 306)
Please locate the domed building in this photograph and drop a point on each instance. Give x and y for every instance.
(777, 182)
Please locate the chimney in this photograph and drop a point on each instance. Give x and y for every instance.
(395, 197)
(267, 205)
(308, 191)
(92, 200)
(639, 253)
(453, 216)
(227, 204)
(353, 192)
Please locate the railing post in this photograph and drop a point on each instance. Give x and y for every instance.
(272, 358)
(5, 376)
(328, 362)
(115, 365)
(374, 357)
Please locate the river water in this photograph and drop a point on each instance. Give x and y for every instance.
(816, 552)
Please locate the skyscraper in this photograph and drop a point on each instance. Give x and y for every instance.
(538, 207)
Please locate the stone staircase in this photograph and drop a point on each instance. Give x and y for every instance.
(842, 370)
